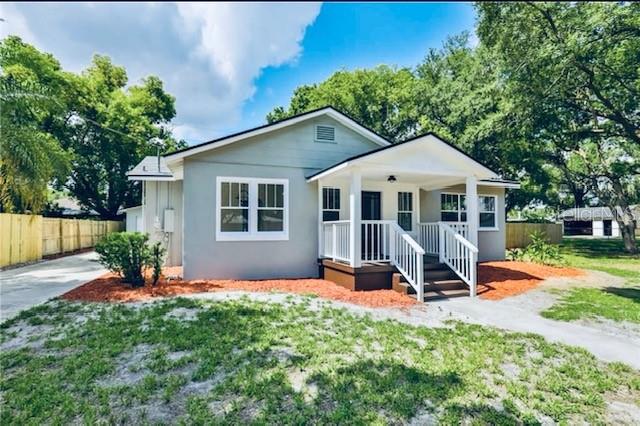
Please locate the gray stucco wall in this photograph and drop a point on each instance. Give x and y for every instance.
(290, 153)
(491, 243)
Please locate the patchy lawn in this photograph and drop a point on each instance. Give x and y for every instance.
(617, 303)
(605, 254)
(242, 361)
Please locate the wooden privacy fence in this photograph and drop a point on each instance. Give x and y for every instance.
(519, 234)
(26, 238)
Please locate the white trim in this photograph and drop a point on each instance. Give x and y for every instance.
(499, 184)
(427, 138)
(151, 178)
(322, 209)
(341, 118)
(480, 228)
(252, 234)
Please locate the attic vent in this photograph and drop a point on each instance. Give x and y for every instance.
(325, 134)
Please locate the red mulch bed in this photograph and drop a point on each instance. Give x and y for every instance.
(497, 280)
(108, 288)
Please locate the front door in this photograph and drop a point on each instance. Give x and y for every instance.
(371, 210)
(606, 224)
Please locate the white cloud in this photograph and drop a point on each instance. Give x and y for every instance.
(208, 54)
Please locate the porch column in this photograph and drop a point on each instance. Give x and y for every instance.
(472, 209)
(355, 229)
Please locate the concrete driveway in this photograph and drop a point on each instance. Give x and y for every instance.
(24, 287)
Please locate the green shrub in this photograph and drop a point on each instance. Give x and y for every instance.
(126, 254)
(157, 260)
(538, 251)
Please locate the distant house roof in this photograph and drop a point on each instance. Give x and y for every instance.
(71, 207)
(149, 168)
(593, 213)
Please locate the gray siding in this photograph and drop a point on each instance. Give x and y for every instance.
(491, 243)
(290, 153)
(159, 196)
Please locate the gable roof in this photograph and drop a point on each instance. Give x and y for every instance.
(449, 145)
(148, 169)
(270, 127)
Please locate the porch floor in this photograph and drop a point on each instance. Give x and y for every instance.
(439, 281)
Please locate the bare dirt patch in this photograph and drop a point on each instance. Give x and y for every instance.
(109, 288)
(497, 280)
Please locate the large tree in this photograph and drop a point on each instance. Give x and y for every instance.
(571, 73)
(381, 98)
(111, 132)
(34, 97)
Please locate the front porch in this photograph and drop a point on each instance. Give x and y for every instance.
(379, 241)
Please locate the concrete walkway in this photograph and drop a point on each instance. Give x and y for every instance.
(520, 314)
(24, 287)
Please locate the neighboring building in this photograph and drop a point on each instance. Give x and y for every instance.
(316, 189)
(70, 208)
(134, 219)
(592, 221)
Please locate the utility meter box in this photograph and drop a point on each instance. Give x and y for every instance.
(169, 221)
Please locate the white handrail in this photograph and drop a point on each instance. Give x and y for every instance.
(335, 240)
(408, 258)
(459, 254)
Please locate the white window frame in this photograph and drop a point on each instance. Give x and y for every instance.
(460, 205)
(339, 201)
(495, 213)
(411, 222)
(252, 234)
(480, 228)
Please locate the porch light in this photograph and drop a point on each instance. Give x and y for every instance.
(391, 179)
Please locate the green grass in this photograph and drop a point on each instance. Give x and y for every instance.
(188, 361)
(617, 303)
(606, 255)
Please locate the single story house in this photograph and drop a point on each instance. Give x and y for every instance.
(592, 221)
(319, 194)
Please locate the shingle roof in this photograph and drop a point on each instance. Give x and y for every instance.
(148, 167)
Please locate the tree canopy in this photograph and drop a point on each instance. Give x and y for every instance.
(81, 132)
(549, 96)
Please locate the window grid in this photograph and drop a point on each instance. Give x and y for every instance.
(252, 209)
(453, 209)
(405, 210)
(330, 204)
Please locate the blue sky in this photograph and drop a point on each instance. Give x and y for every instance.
(357, 35)
(226, 64)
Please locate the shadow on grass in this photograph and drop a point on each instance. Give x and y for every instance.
(612, 248)
(631, 293)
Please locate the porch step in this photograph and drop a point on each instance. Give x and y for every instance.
(439, 274)
(445, 285)
(428, 266)
(442, 294)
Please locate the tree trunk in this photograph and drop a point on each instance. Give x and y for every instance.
(627, 225)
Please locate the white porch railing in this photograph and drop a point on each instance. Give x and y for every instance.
(335, 240)
(375, 240)
(459, 254)
(428, 234)
(408, 258)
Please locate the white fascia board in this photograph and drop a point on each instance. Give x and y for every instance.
(330, 171)
(499, 184)
(151, 178)
(285, 123)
